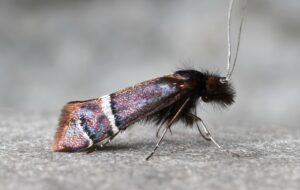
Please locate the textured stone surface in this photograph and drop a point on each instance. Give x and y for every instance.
(269, 158)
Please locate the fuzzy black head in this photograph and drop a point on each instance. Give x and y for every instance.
(218, 90)
(211, 88)
(194, 85)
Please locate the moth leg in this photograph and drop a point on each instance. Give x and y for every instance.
(158, 130)
(92, 149)
(110, 139)
(95, 147)
(157, 145)
(167, 128)
(196, 119)
(209, 136)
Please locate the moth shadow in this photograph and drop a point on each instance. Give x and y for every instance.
(121, 147)
(173, 145)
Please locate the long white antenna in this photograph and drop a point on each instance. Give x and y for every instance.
(229, 36)
(229, 62)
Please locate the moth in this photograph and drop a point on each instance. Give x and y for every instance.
(164, 100)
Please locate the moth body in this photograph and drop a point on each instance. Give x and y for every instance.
(85, 123)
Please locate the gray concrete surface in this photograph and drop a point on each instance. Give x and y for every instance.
(269, 158)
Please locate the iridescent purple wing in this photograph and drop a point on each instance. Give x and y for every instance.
(138, 102)
(85, 123)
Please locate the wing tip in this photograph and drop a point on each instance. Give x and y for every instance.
(64, 142)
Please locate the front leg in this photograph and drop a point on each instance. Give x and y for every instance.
(209, 136)
(197, 119)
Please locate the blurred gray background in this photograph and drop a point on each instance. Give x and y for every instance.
(52, 52)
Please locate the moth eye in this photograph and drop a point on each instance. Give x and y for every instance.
(223, 80)
(205, 98)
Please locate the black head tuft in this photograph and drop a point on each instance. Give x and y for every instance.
(218, 91)
(210, 87)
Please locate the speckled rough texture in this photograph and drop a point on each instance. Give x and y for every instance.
(269, 158)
